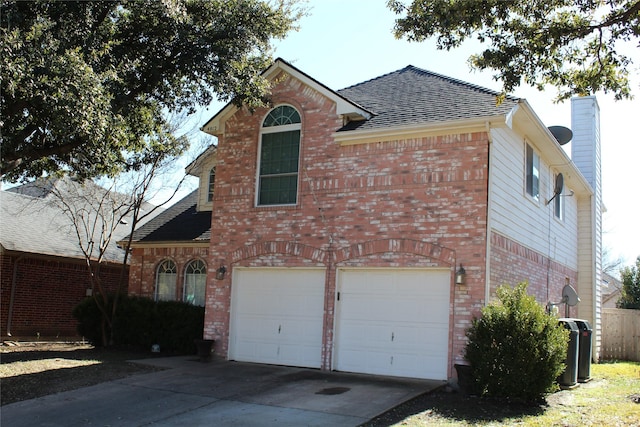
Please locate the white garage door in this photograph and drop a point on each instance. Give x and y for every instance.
(393, 322)
(276, 316)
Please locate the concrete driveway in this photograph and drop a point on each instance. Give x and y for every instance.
(221, 393)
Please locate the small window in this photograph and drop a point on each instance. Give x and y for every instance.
(558, 204)
(212, 179)
(279, 157)
(195, 277)
(166, 281)
(533, 173)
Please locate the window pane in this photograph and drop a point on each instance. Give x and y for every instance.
(166, 281)
(279, 152)
(533, 173)
(195, 282)
(282, 115)
(558, 206)
(278, 190)
(212, 178)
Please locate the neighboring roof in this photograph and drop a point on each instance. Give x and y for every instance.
(412, 96)
(611, 288)
(179, 223)
(32, 220)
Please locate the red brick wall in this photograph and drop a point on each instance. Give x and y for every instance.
(513, 263)
(411, 202)
(46, 291)
(145, 261)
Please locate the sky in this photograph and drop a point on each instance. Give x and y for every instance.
(345, 42)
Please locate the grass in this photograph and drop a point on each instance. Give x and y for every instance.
(611, 399)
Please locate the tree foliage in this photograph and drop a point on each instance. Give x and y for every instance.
(630, 286)
(570, 44)
(85, 85)
(516, 349)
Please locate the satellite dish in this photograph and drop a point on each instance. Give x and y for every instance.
(570, 296)
(558, 187)
(559, 184)
(561, 134)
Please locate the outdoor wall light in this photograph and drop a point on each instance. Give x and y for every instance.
(461, 275)
(220, 272)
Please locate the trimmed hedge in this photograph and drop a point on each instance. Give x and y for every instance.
(142, 322)
(516, 350)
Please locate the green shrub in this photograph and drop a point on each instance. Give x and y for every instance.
(142, 322)
(516, 350)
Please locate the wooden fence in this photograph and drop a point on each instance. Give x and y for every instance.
(620, 334)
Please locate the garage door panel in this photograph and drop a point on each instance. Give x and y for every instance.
(257, 328)
(277, 315)
(393, 322)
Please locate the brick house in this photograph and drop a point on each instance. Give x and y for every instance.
(169, 254)
(341, 219)
(43, 272)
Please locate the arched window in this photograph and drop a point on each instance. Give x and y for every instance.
(166, 281)
(212, 179)
(195, 276)
(279, 157)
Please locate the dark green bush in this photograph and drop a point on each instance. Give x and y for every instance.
(142, 322)
(516, 350)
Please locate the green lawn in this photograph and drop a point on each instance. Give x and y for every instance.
(610, 399)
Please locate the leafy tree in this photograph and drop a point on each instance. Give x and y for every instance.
(85, 85)
(630, 286)
(516, 350)
(95, 213)
(571, 44)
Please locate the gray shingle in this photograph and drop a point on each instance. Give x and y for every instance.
(413, 96)
(180, 222)
(33, 222)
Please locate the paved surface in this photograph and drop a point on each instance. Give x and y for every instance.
(220, 393)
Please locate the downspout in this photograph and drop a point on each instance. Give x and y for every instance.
(14, 285)
(487, 267)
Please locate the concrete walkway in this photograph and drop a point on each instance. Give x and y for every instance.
(220, 393)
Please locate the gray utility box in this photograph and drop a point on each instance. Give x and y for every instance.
(584, 350)
(569, 378)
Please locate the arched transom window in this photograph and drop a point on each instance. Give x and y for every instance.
(166, 281)
(279, 157)
(195, 276)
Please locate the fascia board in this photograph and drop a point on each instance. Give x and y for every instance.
(524, 120)
(171, 244)
(417, 131)
(344, 107)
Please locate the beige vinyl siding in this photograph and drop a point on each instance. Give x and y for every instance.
(515, 214)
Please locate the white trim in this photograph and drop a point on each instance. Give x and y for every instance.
(344, 107)
(278, 129)
(418, 131)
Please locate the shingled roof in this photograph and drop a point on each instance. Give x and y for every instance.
(179, 223)
(33, 220)
(413, 96)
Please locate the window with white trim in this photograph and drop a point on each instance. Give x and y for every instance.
(212, 179)
(166, 276)
(195, 276)
(558, 203)
(279, 157)
(532, 173)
